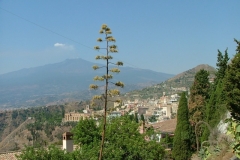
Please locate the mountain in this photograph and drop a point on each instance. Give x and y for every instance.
(65, 81)
(186, 78)
(176, 84)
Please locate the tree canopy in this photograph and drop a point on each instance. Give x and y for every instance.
(182, 137)
(232, 85)
(123, 141)
(199, 93)
(215, 107)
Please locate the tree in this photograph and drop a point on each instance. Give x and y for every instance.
(199, 96)
(123, 138)
(182, 135)
(29, 153)
(215, 107)
(123, 141)
(107, 77)
(86, 132)
(232, 85)
(126, 142)
(222, 63)
(232, 92)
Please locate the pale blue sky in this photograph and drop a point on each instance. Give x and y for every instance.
(165, 36)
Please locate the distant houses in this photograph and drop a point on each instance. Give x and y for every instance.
(163, 110)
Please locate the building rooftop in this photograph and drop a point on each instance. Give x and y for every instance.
(164, 126)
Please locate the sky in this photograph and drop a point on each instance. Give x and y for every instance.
(164, 36)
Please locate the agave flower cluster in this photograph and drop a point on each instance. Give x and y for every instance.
(105, 30)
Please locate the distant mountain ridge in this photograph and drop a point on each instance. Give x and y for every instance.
(65, 81)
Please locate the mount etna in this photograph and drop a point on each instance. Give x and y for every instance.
(65, 81)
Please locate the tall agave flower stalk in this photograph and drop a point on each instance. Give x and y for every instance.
(105, 30)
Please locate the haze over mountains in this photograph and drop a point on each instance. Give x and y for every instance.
(65, 81)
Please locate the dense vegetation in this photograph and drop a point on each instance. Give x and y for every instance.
(208, 104)
(44, 127)
(232, 89)
(123, 141)
(222, 95)
(216, 108)
(199, 95)
(45, 119)
(182, 145)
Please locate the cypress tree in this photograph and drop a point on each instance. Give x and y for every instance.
(215, 107)
(232, 85)
(232, 93)
(182, 135)
(199, 94)
(222, 65)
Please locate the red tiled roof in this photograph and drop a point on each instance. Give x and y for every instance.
(165, 126)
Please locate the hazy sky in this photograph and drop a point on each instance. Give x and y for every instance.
(162, 35)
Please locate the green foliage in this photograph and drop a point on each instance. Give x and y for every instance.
(123, 135)
(182, 136)
(232, 89)
(203, 153)
(215, 107)
(201, 84)
(199, 96)
(222, 62)
(234, 130)
(122, 141)
(45, 119)
(52, 153)
(14, 114)
(232, 85)
(86, 132)
(3, 123)
(153, 118)
(167, 140)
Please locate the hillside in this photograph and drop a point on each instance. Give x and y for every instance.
(35, 126)
(176, 84)
(65, 82)
(186, 78)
